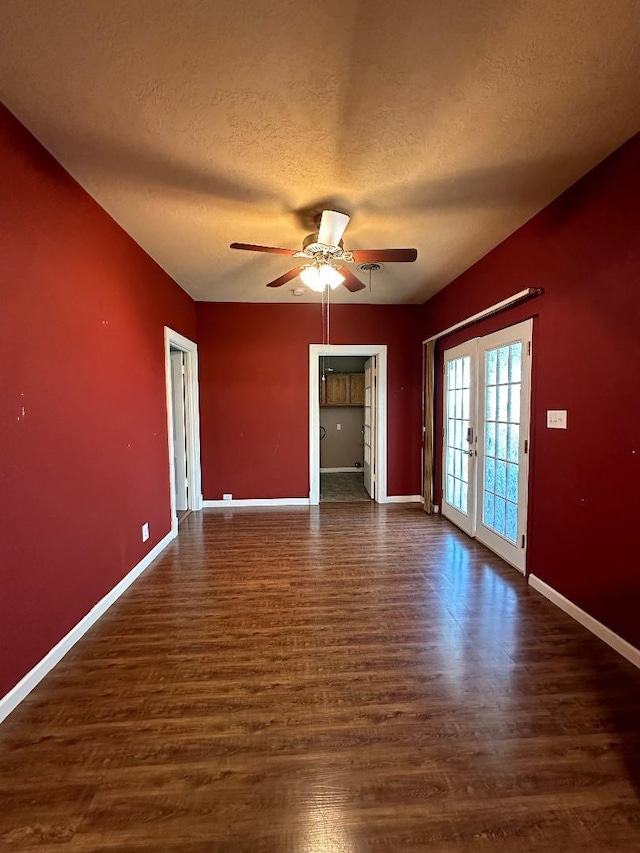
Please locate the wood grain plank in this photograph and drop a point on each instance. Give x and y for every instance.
(348, 678)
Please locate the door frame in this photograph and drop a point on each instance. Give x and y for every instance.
(366, 350)
(370, 481)
(179, 420)
(174, 340)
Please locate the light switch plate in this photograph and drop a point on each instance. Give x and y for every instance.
(556, 418)
(338, 426)
(145, 531)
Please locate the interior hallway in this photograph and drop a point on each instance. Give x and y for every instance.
(356, 679)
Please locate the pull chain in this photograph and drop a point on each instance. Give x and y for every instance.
(324, 358)
(328, 289)
(326, 329)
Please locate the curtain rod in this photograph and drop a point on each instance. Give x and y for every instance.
(499, 306)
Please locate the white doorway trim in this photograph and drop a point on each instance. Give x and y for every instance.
(174, 340)
(315, 351)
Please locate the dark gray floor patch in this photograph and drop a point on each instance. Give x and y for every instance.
(342, 487)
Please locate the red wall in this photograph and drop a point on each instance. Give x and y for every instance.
(584, 250)
(254, 393)
(82, 392)
(83, 432)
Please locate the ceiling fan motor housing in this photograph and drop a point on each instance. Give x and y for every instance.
(313, 249)
(310, 244)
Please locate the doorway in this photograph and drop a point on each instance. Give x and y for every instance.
(347, 417)
(178, 416)
(342, 429)
(181, 369)
(486, 439)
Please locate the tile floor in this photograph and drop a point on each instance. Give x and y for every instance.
(344, 487)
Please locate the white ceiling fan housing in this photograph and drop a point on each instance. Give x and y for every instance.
(332, 227)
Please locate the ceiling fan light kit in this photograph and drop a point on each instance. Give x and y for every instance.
(319, 276)
(326, 252)
(311, 277)
(331, 276)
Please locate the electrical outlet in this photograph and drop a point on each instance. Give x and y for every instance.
(338, 426)
(227, 496)
(145, 531)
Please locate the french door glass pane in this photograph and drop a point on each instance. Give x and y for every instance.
(502, 439)
(458, 404)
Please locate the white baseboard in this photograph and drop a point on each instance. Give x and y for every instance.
(256, 502)
(13, 698)
(353, 470)
(601, 631)
(404, 499)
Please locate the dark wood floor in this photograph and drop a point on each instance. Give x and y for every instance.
(348, 679)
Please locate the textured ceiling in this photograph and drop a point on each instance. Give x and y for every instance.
(439, 125)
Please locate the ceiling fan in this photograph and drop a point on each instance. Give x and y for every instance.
(326, 256)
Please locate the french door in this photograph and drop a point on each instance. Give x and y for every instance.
(486, 439)
(459, 440)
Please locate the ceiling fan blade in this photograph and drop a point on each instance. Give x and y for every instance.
(398, 256)
(351, 282)
(278, 282)
(270, 250)
(332, 227)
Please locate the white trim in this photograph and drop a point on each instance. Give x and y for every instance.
(192, 412)
(493, 309)
(601, 631)
(353, 470)
(315, 351)
(22, 689)
(404, 499)
(256, 502)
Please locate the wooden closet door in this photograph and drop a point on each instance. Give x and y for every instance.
(337, 389)
(356, 389)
